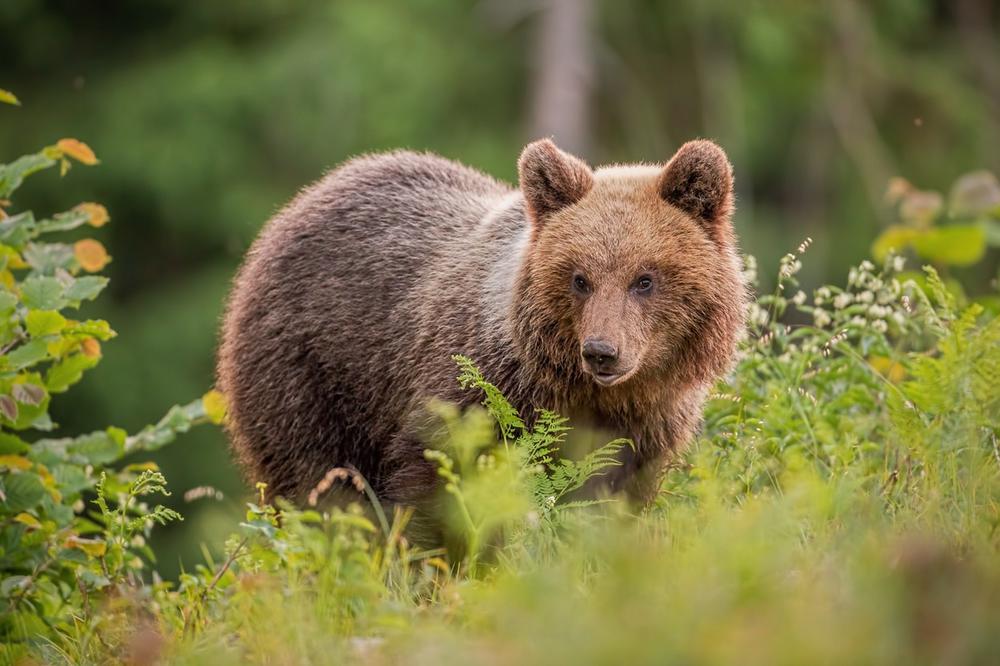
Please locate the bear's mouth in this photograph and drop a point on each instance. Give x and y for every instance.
(608, 378)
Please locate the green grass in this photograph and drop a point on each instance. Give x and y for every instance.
(840, 506)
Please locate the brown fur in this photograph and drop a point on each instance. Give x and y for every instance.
(344, 317)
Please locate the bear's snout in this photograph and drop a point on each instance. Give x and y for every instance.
(601, 359)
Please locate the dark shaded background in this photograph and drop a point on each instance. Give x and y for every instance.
(208, 116)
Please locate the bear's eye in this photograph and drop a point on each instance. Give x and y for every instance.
(580, 284)
(643, 285)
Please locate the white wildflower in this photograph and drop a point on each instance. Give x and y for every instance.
(877, 311)
(789, 266)
(898, 263)
(880, 325)
(867, 266)
(865, 297)
(799, 298)
(750, 269)
(858, 320)
(821, 318)
(821, 295)
(841, 301)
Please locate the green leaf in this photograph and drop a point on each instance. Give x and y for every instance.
(992, 230)
(24, 491)
(46, 258)
(12, 444)
(63, 221)
(17, 229)
(13, 174)
(68, 371)
(43, 293)
(85, 288)
(28, 354)
(13, 584)
(98, 448)
(93, 328)
(953, 245)
(8, 302)
(177, 420)
(44, 322)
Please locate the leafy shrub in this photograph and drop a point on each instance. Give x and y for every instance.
(949, 232)
(74, 516)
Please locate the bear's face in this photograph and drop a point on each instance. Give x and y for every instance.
(630, 267)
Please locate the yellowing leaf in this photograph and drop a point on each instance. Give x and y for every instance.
(91, 255)
(438, 563)
(143, 467)
(888, 368)
(92, 547)
(954, 245)
(90, 348)
(58, 347)
(214, 403)
(12, 256)
(97, 215)
(78, 150)
(7, 97)
(28, 519)
(896, 237)
(44, 322)
(15, 462)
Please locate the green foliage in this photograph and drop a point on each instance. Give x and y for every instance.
(971, 220)
(841, 505)
(513, 486)
(853, 459)
(63, 564)
(843, 496)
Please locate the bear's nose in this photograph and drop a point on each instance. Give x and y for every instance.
(599, 353)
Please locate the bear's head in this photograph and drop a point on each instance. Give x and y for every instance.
(632, 272)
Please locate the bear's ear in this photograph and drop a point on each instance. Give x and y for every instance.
(699, 180)
(551, 179)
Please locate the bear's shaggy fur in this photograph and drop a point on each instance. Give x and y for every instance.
(612, 296)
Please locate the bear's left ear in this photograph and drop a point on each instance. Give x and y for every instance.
(551, 179)
(699, 180)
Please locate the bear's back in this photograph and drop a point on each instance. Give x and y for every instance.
(320, 311)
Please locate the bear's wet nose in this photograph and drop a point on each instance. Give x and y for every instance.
(600, 354)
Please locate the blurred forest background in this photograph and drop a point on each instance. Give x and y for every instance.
(208, 116)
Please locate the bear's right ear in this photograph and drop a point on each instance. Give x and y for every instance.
(551, 179)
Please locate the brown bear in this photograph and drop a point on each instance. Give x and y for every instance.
(612, 296)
